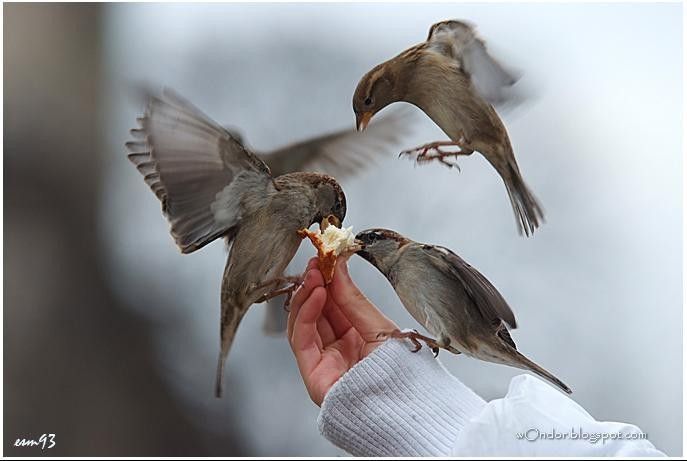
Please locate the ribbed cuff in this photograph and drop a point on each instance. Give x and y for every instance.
(397, 403)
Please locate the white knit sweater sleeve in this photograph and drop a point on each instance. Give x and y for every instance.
(398, 403)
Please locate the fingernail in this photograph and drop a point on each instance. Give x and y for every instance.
(310, 264)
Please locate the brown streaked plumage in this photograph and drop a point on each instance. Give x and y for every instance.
(211, 186)
(341, 154)
(450, 298)
(452, 78)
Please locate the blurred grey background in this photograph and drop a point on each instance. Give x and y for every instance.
(111, 335)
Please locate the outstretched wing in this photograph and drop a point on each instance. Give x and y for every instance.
(486, 297)
(204, 178)
(457, 40)
(344, 152)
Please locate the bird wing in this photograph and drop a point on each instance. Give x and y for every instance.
(486, 297)
(204, 178)
(457, 40)
(342, 153)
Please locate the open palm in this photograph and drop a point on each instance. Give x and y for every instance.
(331, 328)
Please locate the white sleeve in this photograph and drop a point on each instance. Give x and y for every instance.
(398, 403)
(535, 419)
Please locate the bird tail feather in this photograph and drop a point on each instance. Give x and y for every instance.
(231, 318)
(219, 378)
(522, 362)
(528, 212)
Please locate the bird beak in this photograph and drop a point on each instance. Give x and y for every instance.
(331, 219)
(356, 247)
(362, 120)
(362, 252)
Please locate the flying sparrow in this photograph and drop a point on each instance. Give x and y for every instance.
(454, 80)
(211, 186)
(341, 154)
(450, 298)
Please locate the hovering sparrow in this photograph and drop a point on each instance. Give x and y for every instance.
(341, 154)
(211, 186)
(450, 298)
(453, 79)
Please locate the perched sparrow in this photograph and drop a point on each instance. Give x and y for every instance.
(453, 79)
(340, 154)
(450, 298)
(211, 186)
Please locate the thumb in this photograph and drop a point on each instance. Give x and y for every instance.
(360, 312)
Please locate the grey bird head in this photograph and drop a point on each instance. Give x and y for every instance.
(380, 247)
(330, 200)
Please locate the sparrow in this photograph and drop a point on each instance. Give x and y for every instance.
(449, 297)
(211, 186)
(452, 78)
(341, 154)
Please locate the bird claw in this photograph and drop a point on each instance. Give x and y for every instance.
(441, 157)
(294, 282)
(430, 152)
(415, 337)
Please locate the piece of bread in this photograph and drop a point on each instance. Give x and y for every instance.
(330, 243)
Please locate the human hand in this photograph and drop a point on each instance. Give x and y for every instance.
(331, 328)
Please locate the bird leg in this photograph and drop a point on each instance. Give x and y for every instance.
(293, 282)
(432, 151)
(415, 337)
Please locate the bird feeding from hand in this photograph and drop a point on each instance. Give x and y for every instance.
(450, 298)
(211, 186)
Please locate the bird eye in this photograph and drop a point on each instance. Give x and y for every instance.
(368, 101)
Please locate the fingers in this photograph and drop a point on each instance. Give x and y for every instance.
(305, 321)
(325, 330)
(313, 278)
(312, 263)
(305, 340)
(359, 311)
(337, 320)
